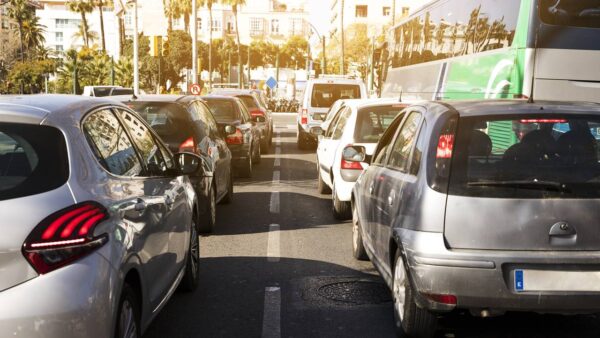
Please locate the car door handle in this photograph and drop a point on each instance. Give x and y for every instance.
(391, 198)
(371, 188)
(140, 205)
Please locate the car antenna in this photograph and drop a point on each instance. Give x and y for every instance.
(400, 98)
(133, 97)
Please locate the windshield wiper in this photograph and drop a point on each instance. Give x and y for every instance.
(534, 185)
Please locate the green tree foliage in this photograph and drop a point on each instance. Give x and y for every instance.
(29, 76)
(83, 7)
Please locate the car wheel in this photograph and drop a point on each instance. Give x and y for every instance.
(209, 220)
(341, 210)
(128, 317)
(191, 277)
(322, 188)
(257, 153)
(358, 247)
(246, 168)
(264, 145)
(229, 196)
(409, 319)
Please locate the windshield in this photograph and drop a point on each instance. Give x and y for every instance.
(524, 156)
(324, 95)
(580, 13)
(373, 121)
(223, 110)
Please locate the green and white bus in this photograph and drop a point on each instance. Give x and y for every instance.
(487, 49)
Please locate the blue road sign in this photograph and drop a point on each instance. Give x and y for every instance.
(271, 82)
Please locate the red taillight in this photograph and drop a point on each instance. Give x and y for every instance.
(543, 121)
(351, 165)
(257, 112)
(237, 138)
(444, 299)
(304, 117)
(188, 145)
(445, 145)
(65, 236)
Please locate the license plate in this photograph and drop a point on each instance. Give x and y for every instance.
(544, 280)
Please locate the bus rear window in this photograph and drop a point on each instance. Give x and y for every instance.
(580, 13)
(324, 95)
(549, 156)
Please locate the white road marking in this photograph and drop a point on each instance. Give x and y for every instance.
(273, 251)
(277, 162)
(272, 313)
(276, 176)
(292, 126)
(278, 151)
(274, 204)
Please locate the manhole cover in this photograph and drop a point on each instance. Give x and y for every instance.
(356, 292)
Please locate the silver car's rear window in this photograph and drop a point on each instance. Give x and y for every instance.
(526, 156)
(33, 160)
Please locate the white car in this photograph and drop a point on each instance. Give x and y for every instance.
(319, 96)
(357, 122)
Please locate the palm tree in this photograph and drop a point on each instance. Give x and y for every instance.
(100, 4)
(235, 5)
(19, 11)
(185, 9)
(82, 33)
(33, 34)
(168, 8)
(82, 7)
(209, 5)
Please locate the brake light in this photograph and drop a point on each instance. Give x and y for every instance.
(237, 138)
(445, 145)
(444, 299)
(257, 112)
(304, 117)
(188, 145)
(65, 236)
(543, 121)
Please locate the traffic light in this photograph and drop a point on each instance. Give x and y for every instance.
(156, 46)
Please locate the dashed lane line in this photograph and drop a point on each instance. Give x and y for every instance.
(272, 313)
(274, 204)
(273, 251)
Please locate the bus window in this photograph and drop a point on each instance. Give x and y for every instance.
(580, 13)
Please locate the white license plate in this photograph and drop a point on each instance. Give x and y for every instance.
(543, 280)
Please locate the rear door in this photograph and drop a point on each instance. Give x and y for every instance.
(329, 144)
(525, 182)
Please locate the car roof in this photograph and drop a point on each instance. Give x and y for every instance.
(220, 97)
(507, 106)
(37, 107)
(155, 98)
(363, 103)
(336, 81)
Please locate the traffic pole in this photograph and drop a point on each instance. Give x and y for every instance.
(136, 74)
(195, 43)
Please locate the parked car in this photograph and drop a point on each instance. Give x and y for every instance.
(244, 143)
(98, 218)
(319, 96)
(330, 114)
(256, 107)
(501, 195)
(186, 124)
(355, 123)
(101, 91)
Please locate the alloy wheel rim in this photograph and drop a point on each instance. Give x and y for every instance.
(195, 251)
(128, 327)
(399, 289)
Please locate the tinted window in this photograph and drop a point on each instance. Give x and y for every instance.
(401, 150)
(373, 121)
(245, 114)
(380, 155)
(580, 13)
(223, 110)
(145, 143)
(33, 160)
(550, 156)
(248, 101)
(170, 121)
(324, 95)
(110, 144)
(208, 118)
(100, 92)
(454, 28)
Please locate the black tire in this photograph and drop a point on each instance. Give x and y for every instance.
(246, 169)
(341, 210)
(257, 153)
(301, 140)
(410, 320)
(208, 221)
(264, 145)
(128, 315)
(191, 278)
(322, 188)
(358, 247)
(229, 196)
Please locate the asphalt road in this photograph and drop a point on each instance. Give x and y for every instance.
(279, 265)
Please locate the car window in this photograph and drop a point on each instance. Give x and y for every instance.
(195, 111)
(380, 155)
(400, 153)
(417, 155)
(223, 110)
(333, 122)
(248, 101)
(171, 121)
(208, 118)
(373, 121)
(143, 139)
(338, 131)
(110, 144)
(244, 111)
(33, 160)
(325, 94)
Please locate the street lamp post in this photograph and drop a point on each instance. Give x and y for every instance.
(136, 73)
(195, 43)
(322, 39)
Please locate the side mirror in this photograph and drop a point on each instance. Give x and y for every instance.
(259, 119)
(355, 154)
(317, 131)
(230, 130)
(188, 163)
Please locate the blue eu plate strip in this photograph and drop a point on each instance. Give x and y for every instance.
(519, 280)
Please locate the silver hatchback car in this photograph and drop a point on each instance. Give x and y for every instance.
(97, 219)
(483, 206)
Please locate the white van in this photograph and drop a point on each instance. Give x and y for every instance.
(319, 95)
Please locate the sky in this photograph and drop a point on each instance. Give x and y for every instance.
(319, 14)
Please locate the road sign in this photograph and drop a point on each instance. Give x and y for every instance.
(196, 89)
(272, 83)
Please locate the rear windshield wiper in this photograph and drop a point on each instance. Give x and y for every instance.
(534, 185)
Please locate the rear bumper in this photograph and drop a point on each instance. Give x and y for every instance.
(74, 301)
(306, 129)
(485, 279)
(239, 153)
